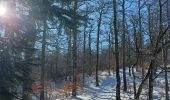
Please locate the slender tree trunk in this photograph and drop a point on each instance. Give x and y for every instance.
(110, 44)
(56, 66)
(28, 57)
(109, 52)
(84, 54)
(97, 48)
(69, 57)
(165, 59)
(137, 57)
(74, 73)
(123, 47)
(140, 37)
(42, 95)
(90, 61)
(134, 78)
(151, 71)
(27, 84)
(166, 84)
(150, 85)
(166, 78)
(116, 51)
(129, 56)
(55, 71)
(74, 51)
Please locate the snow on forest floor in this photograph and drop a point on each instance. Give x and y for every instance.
(107, 89)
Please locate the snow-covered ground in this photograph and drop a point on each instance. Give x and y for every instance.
(107, 89)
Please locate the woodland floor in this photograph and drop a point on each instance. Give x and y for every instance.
(107, 89)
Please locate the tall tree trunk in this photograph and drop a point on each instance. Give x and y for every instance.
(74, 50)
(140, 37)
(56, 64)
(44, 11)
(129, 56)
(55, 70)
(137, 57)
(90, 60)
(27, 84)
(123, 47)
(116, 51)
(134, 77)
(151, 85)
(166, 76)
(84, 54)
(42, 97)
(151, 71)
(97, 47)
(109, 51)
(69, 56)
(165, 58)
(166, 84)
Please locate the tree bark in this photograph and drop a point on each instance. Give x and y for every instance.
(42, 96)
(44, 11)
(116, 51)
(97, 47)
(134, 77)
(84, 54)
(140, 37)
(69, 56)
(109, 51)
(137, 57)
(165, 58)
(151, 71)
(129, 56)
(166, 76)
(74, 50)
(90, 60)
(123, 47)
(150, 85)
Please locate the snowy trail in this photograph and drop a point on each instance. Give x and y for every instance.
(107, 89)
